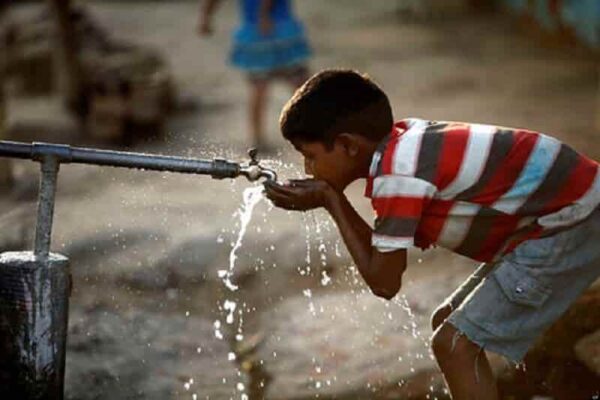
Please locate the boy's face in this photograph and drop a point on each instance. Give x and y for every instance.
(336, 165)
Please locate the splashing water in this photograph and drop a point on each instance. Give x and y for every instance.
(251, 198)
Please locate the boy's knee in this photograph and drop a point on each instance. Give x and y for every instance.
(449, 343)
(440, 315)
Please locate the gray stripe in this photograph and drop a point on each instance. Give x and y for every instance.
(396, 226)
(381, 150)
(555, 180)
(430, 152)
(478, 232)
(501, 145)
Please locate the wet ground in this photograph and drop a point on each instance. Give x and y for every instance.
(146, 248)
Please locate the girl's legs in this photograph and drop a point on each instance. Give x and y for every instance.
(258, 104)
(296, 80)
(258, 101)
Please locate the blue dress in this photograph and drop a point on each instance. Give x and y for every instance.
(285, 47)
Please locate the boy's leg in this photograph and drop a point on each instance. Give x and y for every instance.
(524, 294)
(460, 294)
(464, 364)
(258, 99)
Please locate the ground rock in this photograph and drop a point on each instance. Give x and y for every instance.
(588, 351)
(146, 356)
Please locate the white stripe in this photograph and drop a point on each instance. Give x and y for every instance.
(454, 232)
(577, 211)
(387, 243)
(402, 186)
(535, 170)
(474, 160)
(374, 163)
(406, 154)
(464, 209)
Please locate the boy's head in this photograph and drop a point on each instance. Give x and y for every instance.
(336, 119)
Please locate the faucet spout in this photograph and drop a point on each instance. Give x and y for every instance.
(269, 175)
(254, 171)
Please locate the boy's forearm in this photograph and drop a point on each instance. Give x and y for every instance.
(381, 271)
(355, 232)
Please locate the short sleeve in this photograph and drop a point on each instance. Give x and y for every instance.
(399, 202)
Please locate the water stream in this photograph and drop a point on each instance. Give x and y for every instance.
(234, 312)
(251, 197)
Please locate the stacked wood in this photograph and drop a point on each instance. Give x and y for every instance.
(125, 86)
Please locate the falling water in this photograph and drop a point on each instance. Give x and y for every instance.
(251, 198)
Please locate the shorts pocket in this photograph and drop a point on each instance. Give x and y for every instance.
(509, 303)
(521, 287)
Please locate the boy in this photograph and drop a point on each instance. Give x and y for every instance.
(519, 201)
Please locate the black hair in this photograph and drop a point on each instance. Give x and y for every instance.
(336, 101)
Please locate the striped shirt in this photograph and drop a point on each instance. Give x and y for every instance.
(478, 190)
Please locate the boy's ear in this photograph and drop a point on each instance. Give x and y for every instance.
(349, 142)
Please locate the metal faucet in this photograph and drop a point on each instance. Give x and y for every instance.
(254, 171)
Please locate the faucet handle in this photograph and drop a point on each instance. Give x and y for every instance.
(253, 154)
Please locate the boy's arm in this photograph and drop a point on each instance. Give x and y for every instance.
(207, 9)
(381, 271)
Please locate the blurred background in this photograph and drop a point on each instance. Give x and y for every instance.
(150, 316)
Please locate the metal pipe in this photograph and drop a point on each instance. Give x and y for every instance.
(15, 149)
(47, 192)
(217, 168)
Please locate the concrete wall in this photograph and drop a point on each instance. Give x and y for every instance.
(579, 19)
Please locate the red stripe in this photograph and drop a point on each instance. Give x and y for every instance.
(534, 234)
(579, 181)
(504, 226)
(454, 145)
(509, 171)
(403, 207)
(431, 226)
(369, 187)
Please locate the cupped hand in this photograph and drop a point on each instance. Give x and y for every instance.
(299, 195)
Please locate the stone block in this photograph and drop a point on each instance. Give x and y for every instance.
(587, 350)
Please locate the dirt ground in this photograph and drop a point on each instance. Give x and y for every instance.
(145, 247)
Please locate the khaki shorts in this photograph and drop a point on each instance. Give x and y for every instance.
(503, 307)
